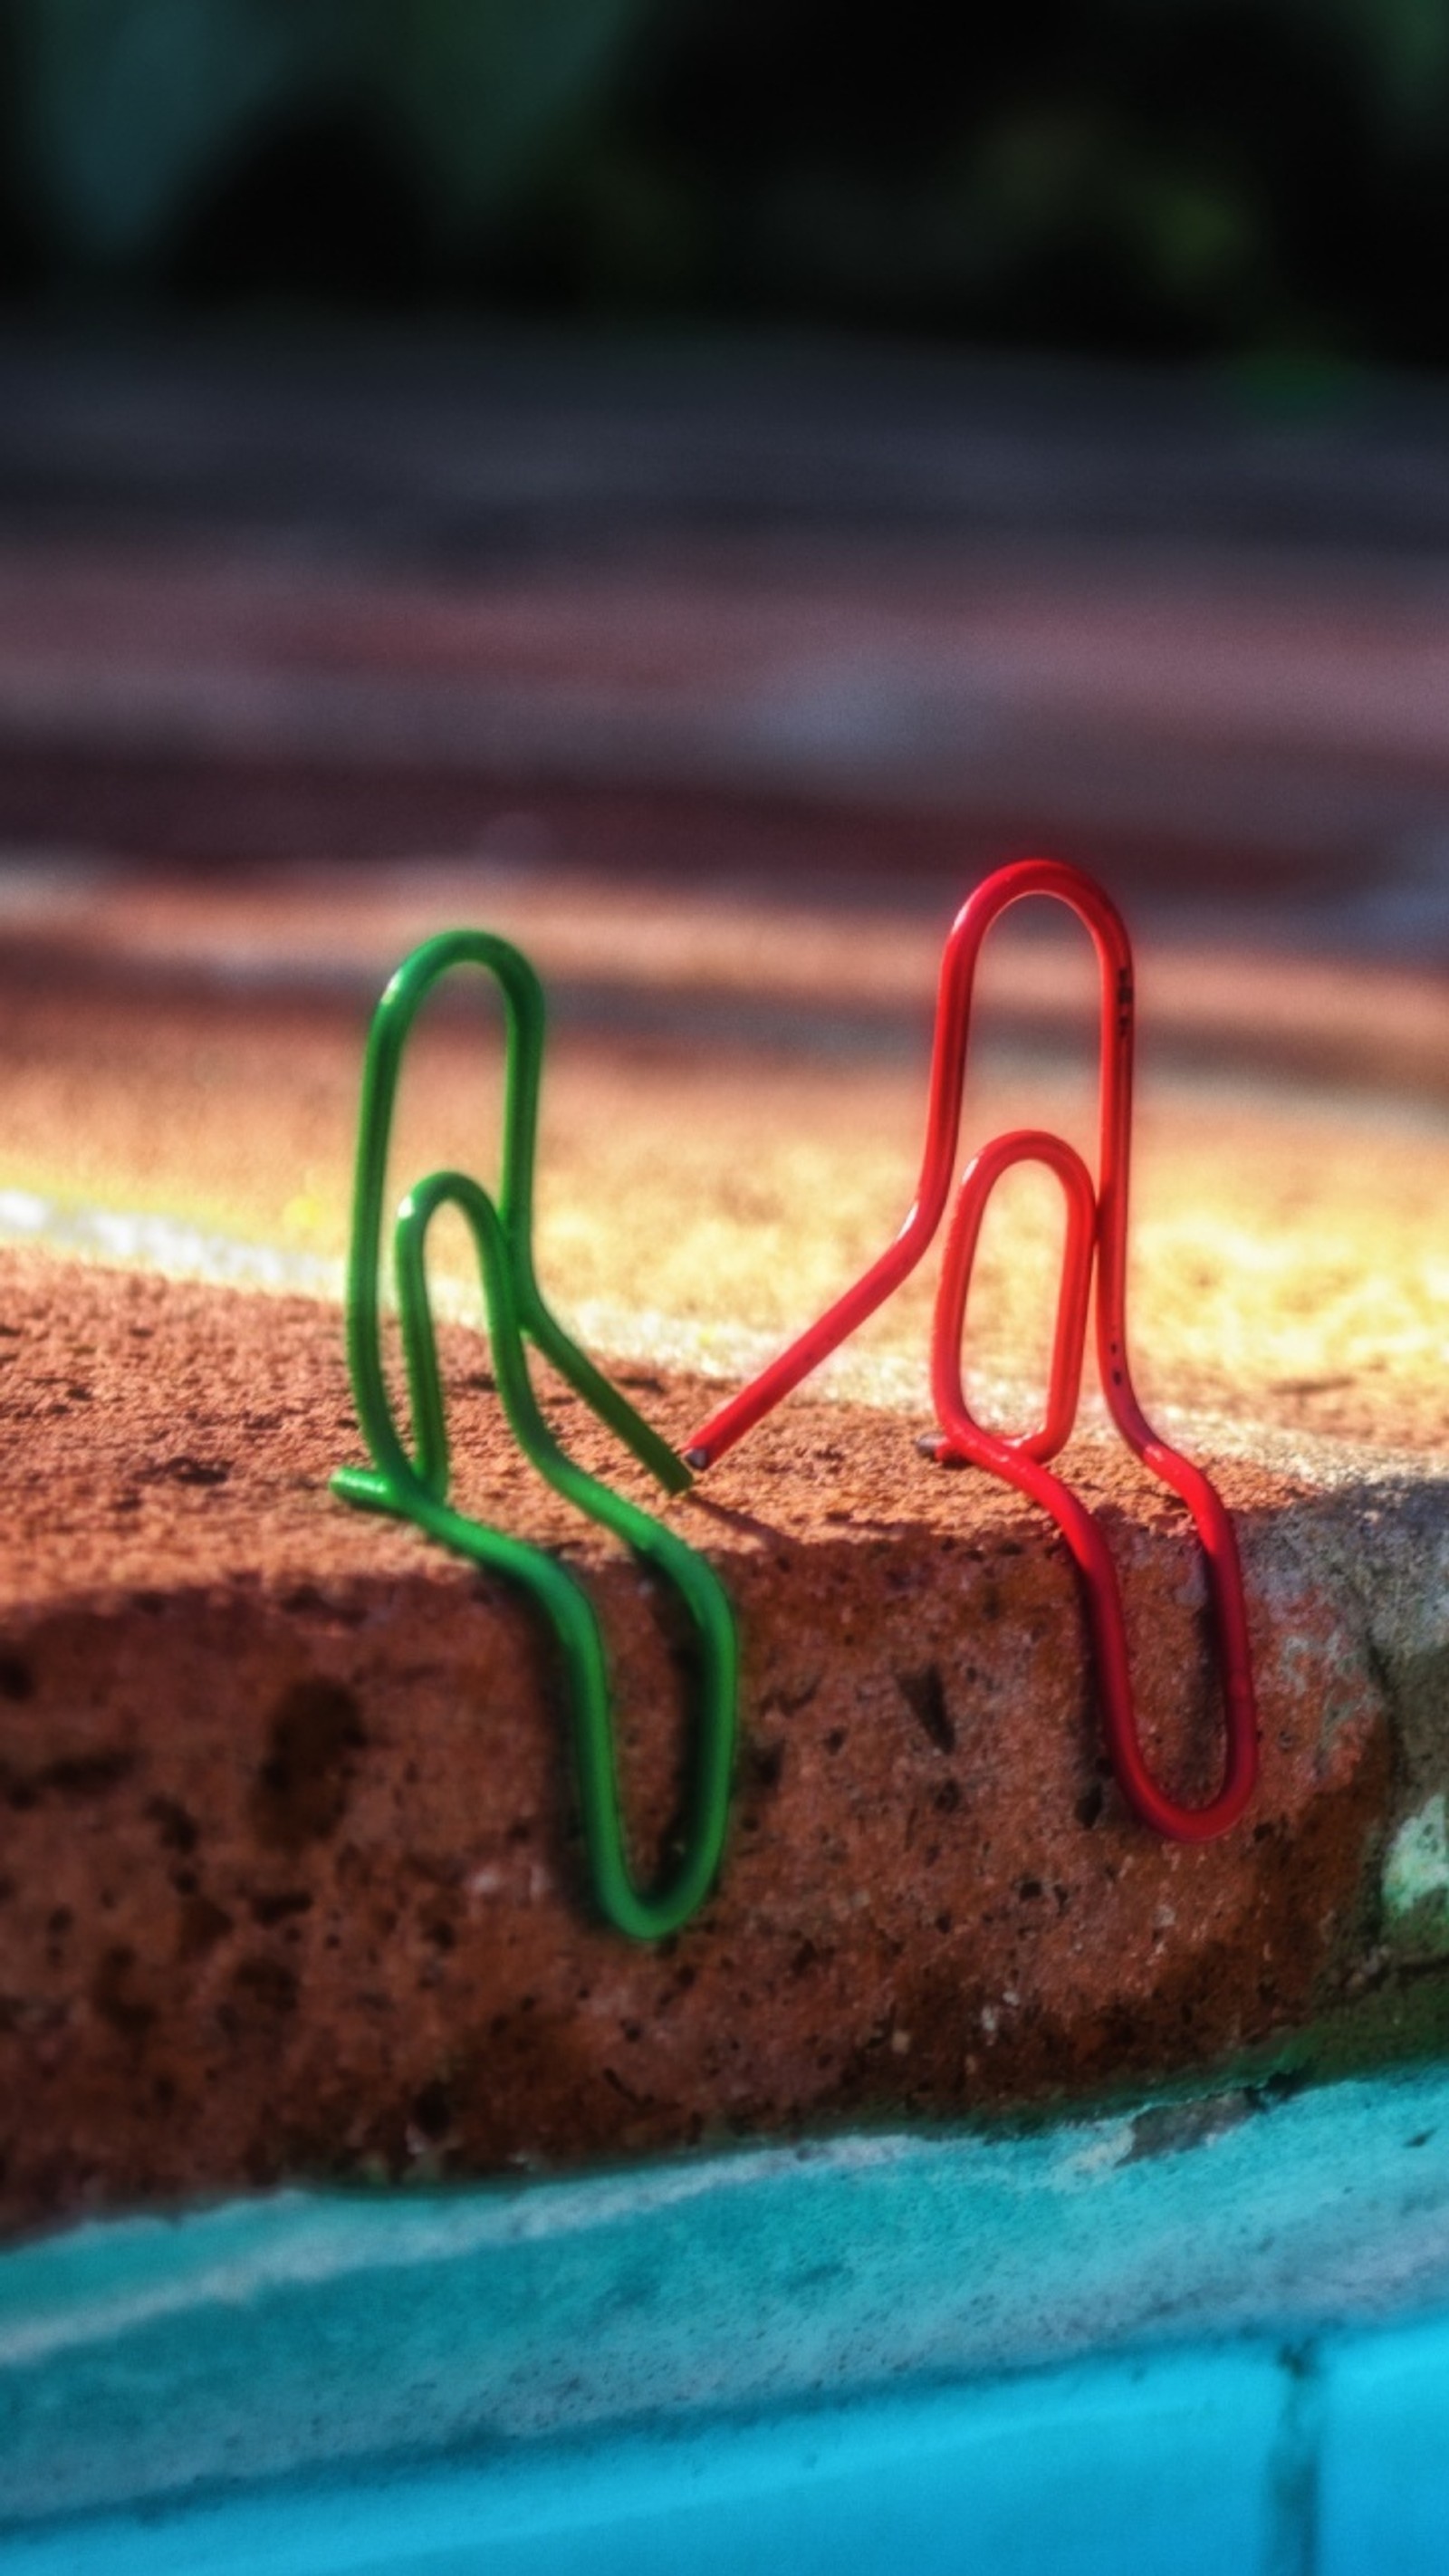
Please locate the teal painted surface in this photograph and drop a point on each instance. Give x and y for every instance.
(1316, 2464)
(1384, 2456)
(1050, 2476)
(1209, 2336)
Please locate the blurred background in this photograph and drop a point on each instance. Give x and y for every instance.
(693, 484)
(931, 439)
(1260, 182)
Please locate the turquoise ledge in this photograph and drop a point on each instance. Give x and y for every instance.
(1211, 2335)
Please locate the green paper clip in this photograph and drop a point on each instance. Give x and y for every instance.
(415, 1486)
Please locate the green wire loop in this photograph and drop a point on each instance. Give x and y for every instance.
(415, 1484)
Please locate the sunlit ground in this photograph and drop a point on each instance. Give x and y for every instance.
(1290, 1249)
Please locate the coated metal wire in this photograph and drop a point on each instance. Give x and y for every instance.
(1096, 1243)
(413, 1482)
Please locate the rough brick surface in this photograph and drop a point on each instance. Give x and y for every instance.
(291, 1882)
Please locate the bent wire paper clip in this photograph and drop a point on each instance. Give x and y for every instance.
(414, 1483)
(1096, 1234)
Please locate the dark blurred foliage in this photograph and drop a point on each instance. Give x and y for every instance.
(1169, 177)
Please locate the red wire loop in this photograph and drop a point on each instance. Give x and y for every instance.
(1069, 1339)
(1096, 1239)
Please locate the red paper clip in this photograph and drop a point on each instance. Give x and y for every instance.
(1096, 1237)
